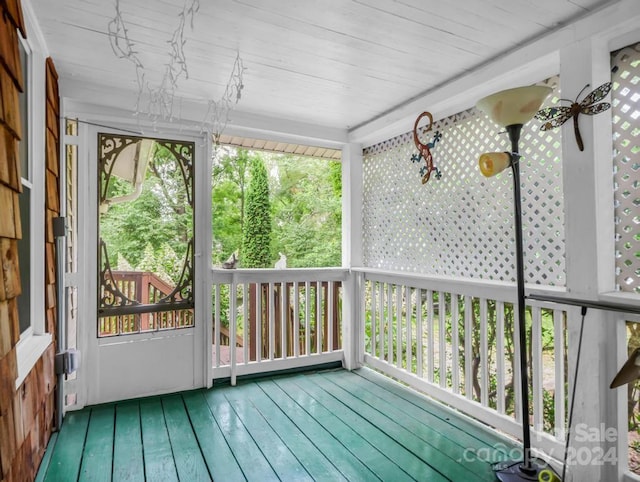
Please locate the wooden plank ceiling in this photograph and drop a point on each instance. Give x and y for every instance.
(331, 63)
(280, 147)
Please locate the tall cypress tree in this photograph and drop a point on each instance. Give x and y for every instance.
(256, 236)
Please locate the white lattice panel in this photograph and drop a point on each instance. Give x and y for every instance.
(462, 224)
(626, 165)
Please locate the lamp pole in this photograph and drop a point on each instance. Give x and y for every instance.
(514, 136)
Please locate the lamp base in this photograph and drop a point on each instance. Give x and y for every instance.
(516, 472)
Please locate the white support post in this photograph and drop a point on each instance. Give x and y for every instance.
(351, 252)
(589, 256)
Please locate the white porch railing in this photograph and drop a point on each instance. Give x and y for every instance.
(267, 319)
(457, 341)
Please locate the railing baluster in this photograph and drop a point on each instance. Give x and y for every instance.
(284, 312)
(536, 358)
(216, 338)
(468, 347)
(330, 320)
(245, 322)
(390, 323)
(442, 338)
(484, 354)
(516, 357)
(259, 321)
(307, 318)
(296, 319)
(271, 302)
(419, 334)
(233, 291)
(399, 354)
(500, 342)
(319, 316)
(430, 337)
(361, 284)
(558, 355)
(455, 350)
(381, 319)
(409, 312)
(374, 321)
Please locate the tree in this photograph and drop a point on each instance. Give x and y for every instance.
(256, 236)
(307, 210)
(230, 177)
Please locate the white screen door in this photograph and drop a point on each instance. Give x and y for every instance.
(145, 337)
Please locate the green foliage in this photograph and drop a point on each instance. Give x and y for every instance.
(230, 178)
(306, 208)
(549, 409)
(307, 212)
(256, 236)
(151, 232)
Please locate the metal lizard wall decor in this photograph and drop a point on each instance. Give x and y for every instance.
(424, 150)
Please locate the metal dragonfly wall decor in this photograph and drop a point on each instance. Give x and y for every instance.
(556, 116)
(424, 150)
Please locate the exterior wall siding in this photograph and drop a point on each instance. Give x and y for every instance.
(26, 412)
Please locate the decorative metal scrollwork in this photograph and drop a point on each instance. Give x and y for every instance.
(115, 298)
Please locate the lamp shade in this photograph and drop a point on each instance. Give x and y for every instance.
(492, 163)
(514, 106)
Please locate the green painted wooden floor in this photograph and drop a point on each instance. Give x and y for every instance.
(331, 425)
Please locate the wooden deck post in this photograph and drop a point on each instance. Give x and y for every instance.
(351, 251)
(589, 248)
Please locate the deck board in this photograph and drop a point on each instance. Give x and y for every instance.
(422, 439)
(128, 461)
(187, 455)
(98, 447)
(158, 455)
(315, 462)
(385, 443)
(323, 426)
(347, 462)
(69, 446)
(363, 448)
(212, 441)
(283, 462)
(253, 463)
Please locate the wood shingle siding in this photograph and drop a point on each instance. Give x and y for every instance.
(26, 413)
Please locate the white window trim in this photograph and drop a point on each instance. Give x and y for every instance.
(28, 351)
(34, 341)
